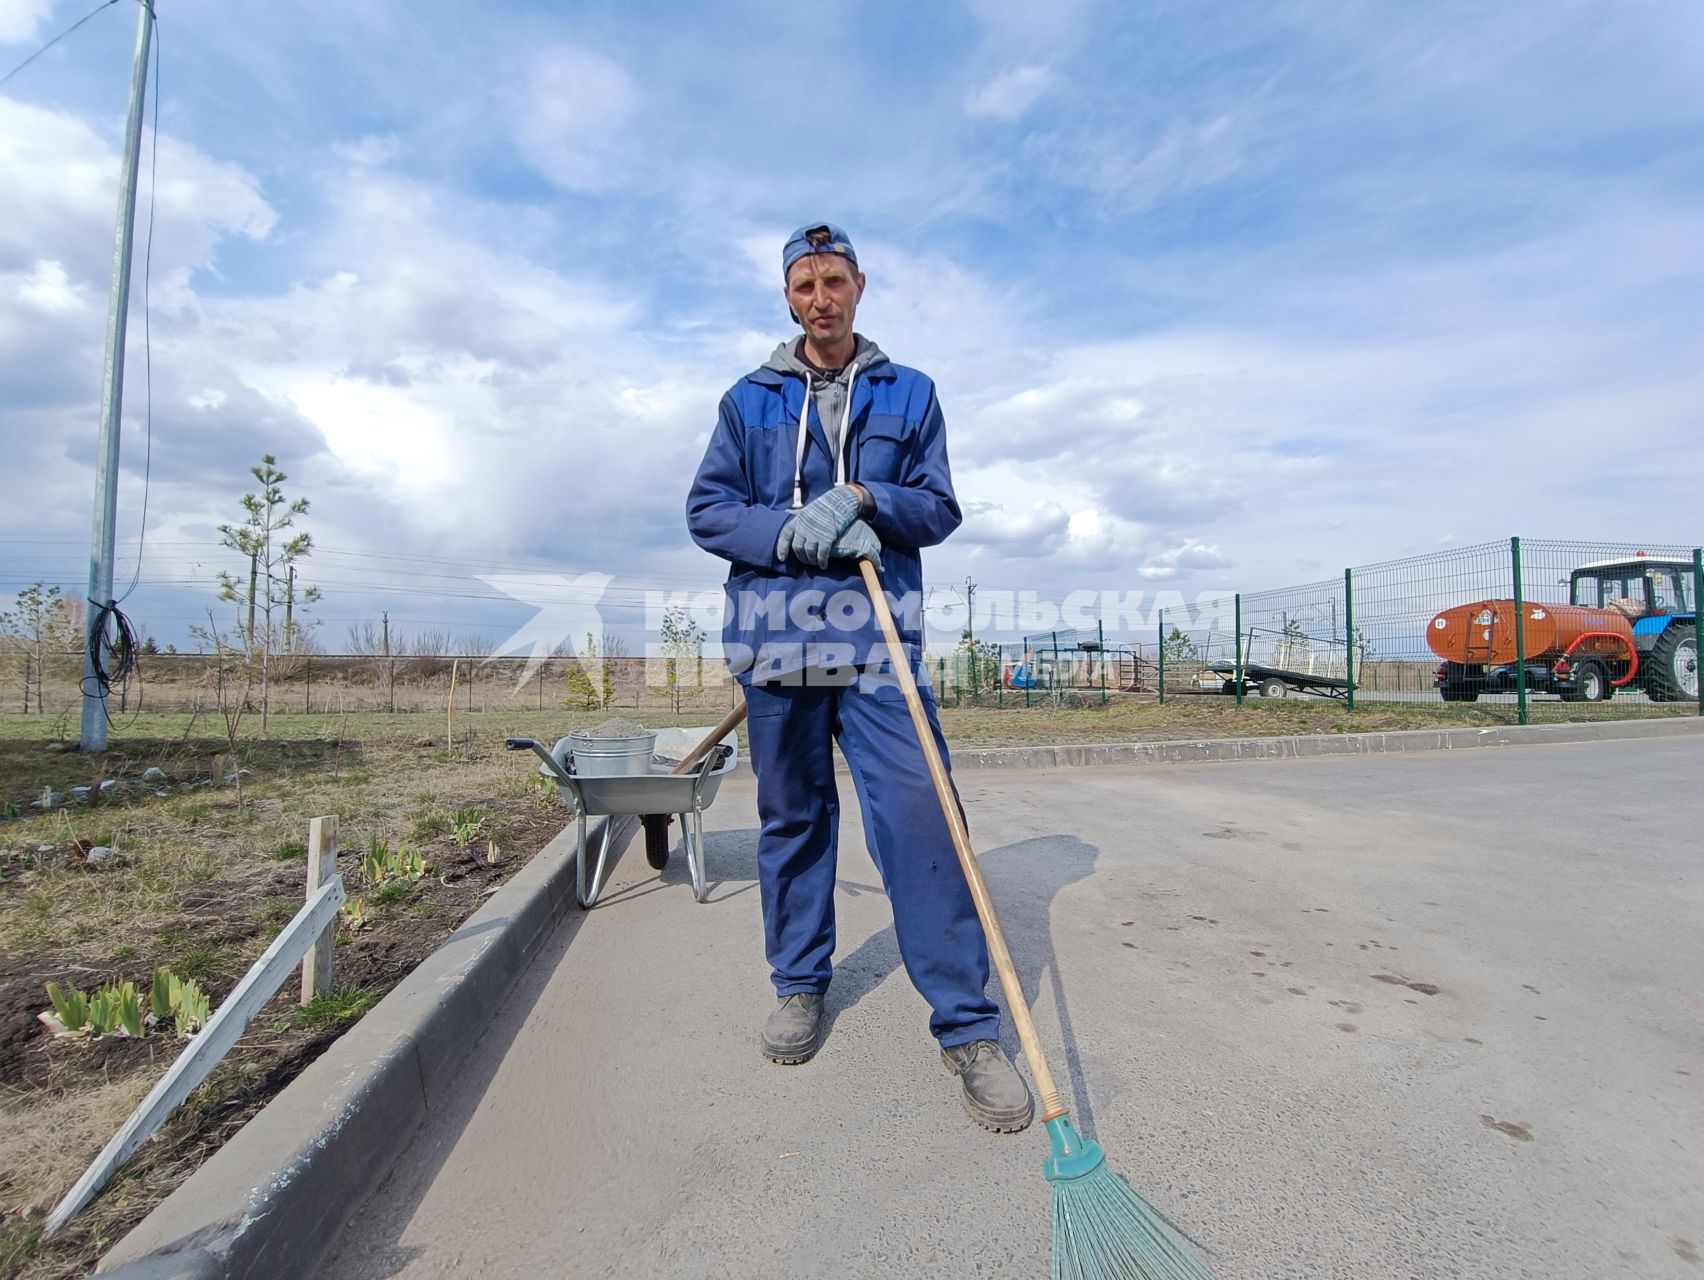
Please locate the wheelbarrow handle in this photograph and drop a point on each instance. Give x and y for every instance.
(710, 740)
(712, 761)
(543, 753)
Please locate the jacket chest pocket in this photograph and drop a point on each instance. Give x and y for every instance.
(882, 447)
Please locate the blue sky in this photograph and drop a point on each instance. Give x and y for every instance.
(1217, 296)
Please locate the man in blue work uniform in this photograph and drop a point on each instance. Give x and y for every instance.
(827, 454)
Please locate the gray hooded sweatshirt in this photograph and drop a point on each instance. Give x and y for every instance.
(833, 395)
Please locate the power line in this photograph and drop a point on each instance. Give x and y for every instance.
(106, 4)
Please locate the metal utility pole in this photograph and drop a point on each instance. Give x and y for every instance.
(970, 629)
(390, 667)
(94, 734)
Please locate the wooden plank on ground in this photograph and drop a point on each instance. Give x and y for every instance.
(209, 1046)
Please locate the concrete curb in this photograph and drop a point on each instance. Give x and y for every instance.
(272, 1199)
(1318, 745)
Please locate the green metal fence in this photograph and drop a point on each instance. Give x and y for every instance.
(1394, 604)
(1518, 627)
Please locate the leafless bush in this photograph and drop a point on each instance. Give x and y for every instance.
(365, 638)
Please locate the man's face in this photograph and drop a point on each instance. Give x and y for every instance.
(823, 290)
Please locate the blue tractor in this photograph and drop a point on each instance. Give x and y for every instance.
(1656, 596)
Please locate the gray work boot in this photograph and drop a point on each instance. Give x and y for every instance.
(792, 1033)
(994, 1093)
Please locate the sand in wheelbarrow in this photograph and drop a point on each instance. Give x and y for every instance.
(616, 727)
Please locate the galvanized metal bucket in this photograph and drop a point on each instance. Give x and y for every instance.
(611, 757)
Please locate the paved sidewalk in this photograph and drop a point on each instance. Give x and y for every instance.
(1398, 1016)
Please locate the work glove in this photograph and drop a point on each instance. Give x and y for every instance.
(811, 532)
(860, 543)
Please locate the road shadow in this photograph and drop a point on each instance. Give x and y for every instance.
(1024, 878)
(730, 863)
(730, 867)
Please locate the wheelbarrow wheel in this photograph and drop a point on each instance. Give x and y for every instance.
(656, 839)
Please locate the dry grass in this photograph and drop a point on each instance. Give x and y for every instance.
(50, 1138)
(194, 851)
(1140, 718)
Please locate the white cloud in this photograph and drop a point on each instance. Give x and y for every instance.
(1139, 173)
(63, 177)
(48, 289)
(571, 116)
(964, 326)
(1010, 93)
(1039, 530)
(1186, 557)
(21, 21)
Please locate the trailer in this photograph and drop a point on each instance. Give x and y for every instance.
(1278, 663)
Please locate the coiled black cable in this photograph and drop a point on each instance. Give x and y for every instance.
(113, 654)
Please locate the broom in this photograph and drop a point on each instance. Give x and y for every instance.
(1102, 1230)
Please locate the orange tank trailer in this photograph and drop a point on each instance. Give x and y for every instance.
(1483, 634)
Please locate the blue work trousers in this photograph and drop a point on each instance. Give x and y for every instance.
(791, 729)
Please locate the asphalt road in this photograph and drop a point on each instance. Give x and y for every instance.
(1431, 1015)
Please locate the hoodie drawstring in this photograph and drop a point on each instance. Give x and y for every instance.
(845, 431)
(799, 448)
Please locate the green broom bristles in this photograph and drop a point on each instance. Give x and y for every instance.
(1103, 1230)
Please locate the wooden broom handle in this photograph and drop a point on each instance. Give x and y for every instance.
(1051, 1105)
(729, 723)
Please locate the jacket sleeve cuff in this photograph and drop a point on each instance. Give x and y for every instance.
(884, 507)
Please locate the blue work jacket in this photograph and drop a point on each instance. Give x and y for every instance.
(785, 617)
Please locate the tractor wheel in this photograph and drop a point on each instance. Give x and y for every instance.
(1273, 687)
(656, 839)
(1673, 666)
(1459, 695)
(1592, 683)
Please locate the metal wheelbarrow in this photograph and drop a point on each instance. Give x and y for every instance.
(652, 797)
